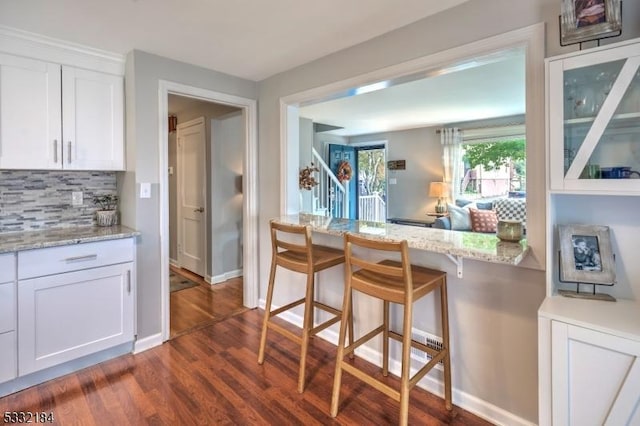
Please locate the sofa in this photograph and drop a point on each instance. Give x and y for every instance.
(482, 216)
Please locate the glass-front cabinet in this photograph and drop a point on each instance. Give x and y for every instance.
(593, 100)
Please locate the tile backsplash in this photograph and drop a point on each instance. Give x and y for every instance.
(34, 199)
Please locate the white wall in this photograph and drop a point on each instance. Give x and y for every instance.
(422, 151)
(493, 309)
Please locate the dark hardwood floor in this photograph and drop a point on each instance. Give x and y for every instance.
(203, 305)
(211, 376)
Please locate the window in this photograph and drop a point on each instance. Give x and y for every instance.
(493, 164)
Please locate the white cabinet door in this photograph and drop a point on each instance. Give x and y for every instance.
(66, 316)
(30, 120)
(595, 377)
(93, 114)
(8, 359)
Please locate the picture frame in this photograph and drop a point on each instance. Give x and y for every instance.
(586, 255)
(585, 20)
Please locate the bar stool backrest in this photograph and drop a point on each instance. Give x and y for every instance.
(288, 253)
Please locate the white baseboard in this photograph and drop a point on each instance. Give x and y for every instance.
(477, 406)
(216, 279)
(146, 343)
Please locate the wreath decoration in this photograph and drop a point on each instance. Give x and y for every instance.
(344, 171)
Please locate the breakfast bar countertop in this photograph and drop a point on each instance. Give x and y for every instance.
(27, 240)
(467, 245)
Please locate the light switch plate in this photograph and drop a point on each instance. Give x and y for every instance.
(145, 190)
(76, 198)
(392, 181)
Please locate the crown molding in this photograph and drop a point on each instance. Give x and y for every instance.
(37, 46)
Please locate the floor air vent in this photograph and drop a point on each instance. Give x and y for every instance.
(430, 340)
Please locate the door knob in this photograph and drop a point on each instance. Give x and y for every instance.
(201, 209)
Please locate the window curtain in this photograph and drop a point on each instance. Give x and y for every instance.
(451, 140)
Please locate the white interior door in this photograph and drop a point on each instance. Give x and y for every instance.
(191, 195)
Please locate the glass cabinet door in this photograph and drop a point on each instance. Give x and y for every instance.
(595, 127)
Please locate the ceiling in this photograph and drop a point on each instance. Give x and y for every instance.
(483, 88)
(252, 39)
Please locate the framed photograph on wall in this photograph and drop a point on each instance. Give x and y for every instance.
(586, 255)
(584, 20)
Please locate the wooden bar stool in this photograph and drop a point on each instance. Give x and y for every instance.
(306, 258)
(393, 282)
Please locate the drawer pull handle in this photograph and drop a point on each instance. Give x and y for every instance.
(81, 258)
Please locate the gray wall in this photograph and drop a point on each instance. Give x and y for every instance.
(143, 72)
(493, 310)
(227, 141)
(422, 151)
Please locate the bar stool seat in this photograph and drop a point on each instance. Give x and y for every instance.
(394, 282)
(306, 258)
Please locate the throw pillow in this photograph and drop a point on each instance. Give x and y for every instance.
(511, 209)
(485, 206)
(483, 220)
(461, 202)
(459, 217)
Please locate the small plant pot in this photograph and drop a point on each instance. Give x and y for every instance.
(106, 217)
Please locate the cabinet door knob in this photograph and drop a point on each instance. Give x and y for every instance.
(201, 209)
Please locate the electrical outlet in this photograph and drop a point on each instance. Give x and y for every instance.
(76, 198)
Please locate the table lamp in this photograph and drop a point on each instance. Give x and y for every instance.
(438, 189)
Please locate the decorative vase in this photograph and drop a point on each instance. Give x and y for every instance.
(106, 217)
(509, 230)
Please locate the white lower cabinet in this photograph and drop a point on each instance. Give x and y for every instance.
(8, 358)
(8, 345)
(73, 301)
(66, 316)
(589, 369)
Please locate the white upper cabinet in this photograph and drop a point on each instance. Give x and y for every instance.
(63, 109)
(594, 120)
(30, 115)
(93, 120)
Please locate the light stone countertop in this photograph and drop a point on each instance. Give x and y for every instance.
(27, 240)
(468, 245)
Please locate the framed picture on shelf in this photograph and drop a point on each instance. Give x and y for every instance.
(584, 20)
(586, 255)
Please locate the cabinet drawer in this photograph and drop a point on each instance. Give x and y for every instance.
(7, 307)
(7, 267)
(55, 260)
(8, 356)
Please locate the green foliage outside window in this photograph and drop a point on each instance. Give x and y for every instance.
(371, 169)
(494, 155)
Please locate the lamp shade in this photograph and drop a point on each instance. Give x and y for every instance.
(437, 189)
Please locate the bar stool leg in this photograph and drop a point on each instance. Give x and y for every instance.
(385, 339)
(347, 313)
(306, 328)
(267, 311)
(444, 307)
(406, 362)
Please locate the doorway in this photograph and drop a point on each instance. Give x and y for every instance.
(371, 170)
(243, 113)
(205, 166)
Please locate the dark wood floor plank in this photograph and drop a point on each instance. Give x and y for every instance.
(211, 377)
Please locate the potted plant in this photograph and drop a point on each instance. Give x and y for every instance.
(107, 213)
